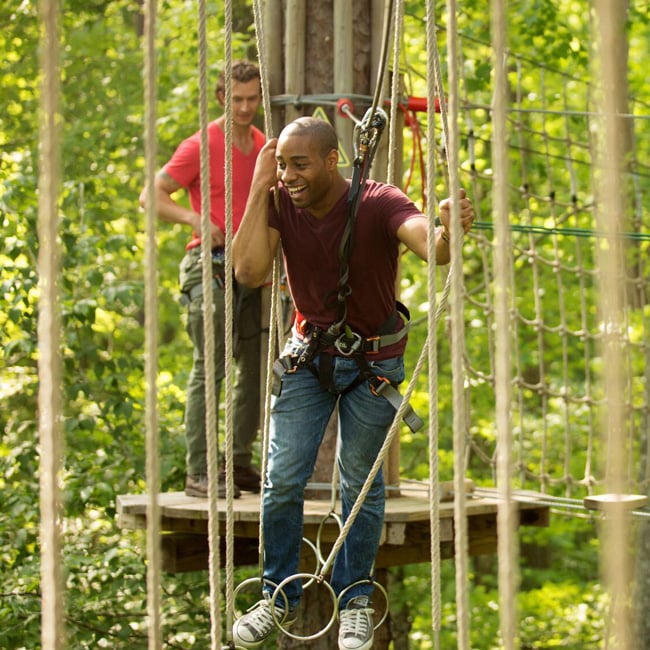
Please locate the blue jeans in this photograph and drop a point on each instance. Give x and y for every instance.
(299, 417)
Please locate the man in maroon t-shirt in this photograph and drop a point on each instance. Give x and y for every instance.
(183, 171)
(353, 362)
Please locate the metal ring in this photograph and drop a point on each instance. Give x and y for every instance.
(319, 560)
(261, 581)
(312, 578)
(337, 519)
(369, 581)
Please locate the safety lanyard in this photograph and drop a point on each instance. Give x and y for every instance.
(366, 138)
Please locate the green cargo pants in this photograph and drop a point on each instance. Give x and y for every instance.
(246, 340)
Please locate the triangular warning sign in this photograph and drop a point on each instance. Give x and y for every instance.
(344, 160)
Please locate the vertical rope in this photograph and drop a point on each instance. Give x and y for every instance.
(229, 318)
(208, 327)
(151, 337)
(432, 291)
(457, 338)
(49, 334)
(563, 328)
(262, 62)
(611, 262)
(274, 317)
(398, 22)
(506, 513)
(434, 487)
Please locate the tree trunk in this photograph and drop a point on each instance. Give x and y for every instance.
(319, 78)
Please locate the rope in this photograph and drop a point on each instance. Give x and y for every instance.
(552, 231)
(263, 67)
(506, 514)
(395, 88)
(584, 233)
(616, 530)
(458, 329)
(151, 338)
(229, 325)
(432, 291)
(49, 366)
(275, 313)
(208, 328)
(383, 57)
(383, 452)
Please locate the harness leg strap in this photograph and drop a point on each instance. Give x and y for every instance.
(386, 390)
(326, 372)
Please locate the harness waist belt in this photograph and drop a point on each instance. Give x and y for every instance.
(348, 342)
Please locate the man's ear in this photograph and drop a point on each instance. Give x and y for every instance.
(221, 97)
(332, 159)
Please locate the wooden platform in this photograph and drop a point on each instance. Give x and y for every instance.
(405, 538)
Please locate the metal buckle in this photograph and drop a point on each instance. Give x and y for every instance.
(377, 389)
(375, 344)
(346, 346)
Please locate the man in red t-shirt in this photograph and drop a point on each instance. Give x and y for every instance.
(183, 171)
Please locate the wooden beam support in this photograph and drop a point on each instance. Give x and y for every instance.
(405, 537)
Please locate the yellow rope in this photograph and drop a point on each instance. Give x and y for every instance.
(49, 333)
(151, 338)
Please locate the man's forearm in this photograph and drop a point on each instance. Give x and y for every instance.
(254, 244)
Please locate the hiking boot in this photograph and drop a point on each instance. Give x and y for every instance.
(247, 478)
(256, 625)
(356, 627)
(196, 485)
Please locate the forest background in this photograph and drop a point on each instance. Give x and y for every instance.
(561, 600)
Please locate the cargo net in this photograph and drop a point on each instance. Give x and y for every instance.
(556, 319)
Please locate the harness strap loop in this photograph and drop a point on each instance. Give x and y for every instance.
(382, 387)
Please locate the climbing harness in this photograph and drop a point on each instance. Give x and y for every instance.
(339, 339)
(218, 278)
(326, 344)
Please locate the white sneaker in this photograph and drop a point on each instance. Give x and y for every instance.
(256, 625)
(356, 627)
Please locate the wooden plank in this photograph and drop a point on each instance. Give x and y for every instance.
(176, 506)
(405, 537)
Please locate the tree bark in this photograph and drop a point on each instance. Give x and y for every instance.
(316, 606)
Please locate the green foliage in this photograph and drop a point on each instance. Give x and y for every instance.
(101, 311)
(102, 314)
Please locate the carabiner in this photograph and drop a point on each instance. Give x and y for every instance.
(348, 346)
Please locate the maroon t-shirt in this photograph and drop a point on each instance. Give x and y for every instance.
(311, 250)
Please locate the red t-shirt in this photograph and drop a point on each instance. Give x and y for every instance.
(185, 168)
(311, 248)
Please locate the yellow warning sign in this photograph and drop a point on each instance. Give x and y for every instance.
(344, 160)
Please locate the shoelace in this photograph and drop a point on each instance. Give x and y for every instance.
(261, 619)
(356, 621)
